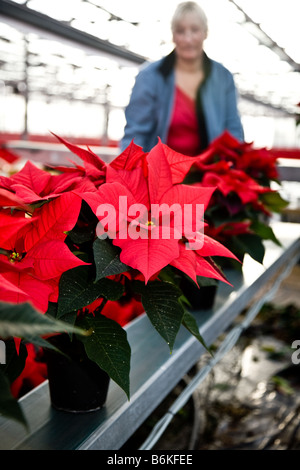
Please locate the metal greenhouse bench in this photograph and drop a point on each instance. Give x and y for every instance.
(154, 371)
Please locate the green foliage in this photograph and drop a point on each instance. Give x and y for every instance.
(265, 232)
(191, 325)
(107, 259)
(9, 407)
(77, 289)
(23, 321)
(108, 347)
(165, 306)
(160, 301)
(249, 243)
(274, 201)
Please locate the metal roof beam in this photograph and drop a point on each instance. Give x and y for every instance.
(268, 41)
(274, 110)
(25, 15)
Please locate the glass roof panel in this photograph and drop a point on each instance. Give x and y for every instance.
(258, 40)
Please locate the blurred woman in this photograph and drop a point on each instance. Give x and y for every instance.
(185, 98)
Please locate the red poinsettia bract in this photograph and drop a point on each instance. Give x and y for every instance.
(33, 374)
(33, 253)
(40, 207)
(234, 181)
(139, 230)
(258, 163)
(241, 173)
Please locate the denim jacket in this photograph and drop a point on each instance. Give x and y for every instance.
(149, 111)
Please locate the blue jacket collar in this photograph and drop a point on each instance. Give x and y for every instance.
(168, 64)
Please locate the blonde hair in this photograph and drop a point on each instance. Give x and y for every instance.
(189, 7)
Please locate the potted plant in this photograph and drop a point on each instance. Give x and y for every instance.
(93, 245)
(239, 211)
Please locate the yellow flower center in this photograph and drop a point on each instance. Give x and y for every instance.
(14, 256)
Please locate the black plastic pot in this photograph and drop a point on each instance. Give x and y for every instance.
(200, 298)
(76, 383)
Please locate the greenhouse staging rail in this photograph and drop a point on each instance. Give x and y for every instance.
(154, 371)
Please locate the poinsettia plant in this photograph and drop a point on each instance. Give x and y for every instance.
(93, 245)
(238, 212)
(7, 156)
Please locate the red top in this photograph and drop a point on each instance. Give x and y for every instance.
(183, 134)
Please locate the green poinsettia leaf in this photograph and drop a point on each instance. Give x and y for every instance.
(41, 342)
(109, 348)
(23, 321)
(251, 244)
(81, 235)
(107, 259)
(77, 290)
(67, 318)
(264, 231)
(189, 322)
(9, 406)
(274, 201)
(207, 281)
(110, 289)
(161, 303)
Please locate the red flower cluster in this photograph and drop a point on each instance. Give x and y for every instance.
(242, 175)
(52, 254)
(157, 183)
(122, 311)
(237, 168)
(39, 208)
(33, 253)
(33, 374)
(6, 155)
